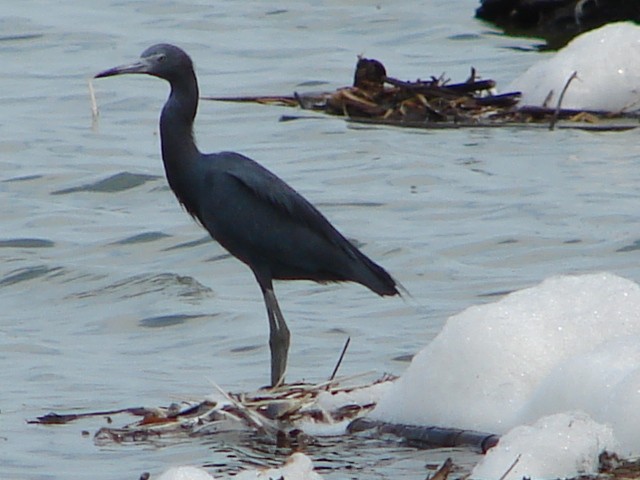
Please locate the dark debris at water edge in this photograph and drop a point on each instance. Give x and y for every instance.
(378, 99)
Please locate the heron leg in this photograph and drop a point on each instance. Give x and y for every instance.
(278, 335)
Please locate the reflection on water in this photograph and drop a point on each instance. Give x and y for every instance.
(112, 296)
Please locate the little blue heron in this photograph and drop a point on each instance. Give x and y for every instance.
(252, 213)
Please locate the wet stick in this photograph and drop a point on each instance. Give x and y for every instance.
(344, 350)
(554, 118)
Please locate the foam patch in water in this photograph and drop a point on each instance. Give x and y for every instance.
(607, 62)
(570, 343)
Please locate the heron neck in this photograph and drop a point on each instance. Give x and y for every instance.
(180, 154)
(176, 123)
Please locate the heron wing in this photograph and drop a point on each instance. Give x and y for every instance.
(265, 223)
(270, 189)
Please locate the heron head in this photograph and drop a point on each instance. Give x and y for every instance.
(161, 60)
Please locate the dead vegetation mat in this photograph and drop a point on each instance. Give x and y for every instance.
(437, 103)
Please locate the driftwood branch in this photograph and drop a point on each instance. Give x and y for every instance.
(444, 471)
(433, 88)
(428, 437)
(58, 419)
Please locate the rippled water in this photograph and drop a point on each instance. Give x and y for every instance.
(112, 297)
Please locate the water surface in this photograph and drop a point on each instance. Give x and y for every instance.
(112, 297)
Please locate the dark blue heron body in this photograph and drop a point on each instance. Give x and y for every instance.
(251, 212)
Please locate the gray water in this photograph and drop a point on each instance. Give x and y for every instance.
(112, 297)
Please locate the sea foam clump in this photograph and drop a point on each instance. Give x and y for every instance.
(569, 346)
(607, 64)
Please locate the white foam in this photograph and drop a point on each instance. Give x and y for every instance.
(185, 473)
(607, 62)
(570, 343)
(563, 445)
(297, 467)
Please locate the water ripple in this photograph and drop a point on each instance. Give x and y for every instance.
(138, 285)
(629, 248)
(26, 243)
(168, 320)
(115, 183)
(29, 273)
(141, 238)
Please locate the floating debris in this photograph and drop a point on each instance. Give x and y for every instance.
(376, 98)
(279, 416)
(275, 413)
